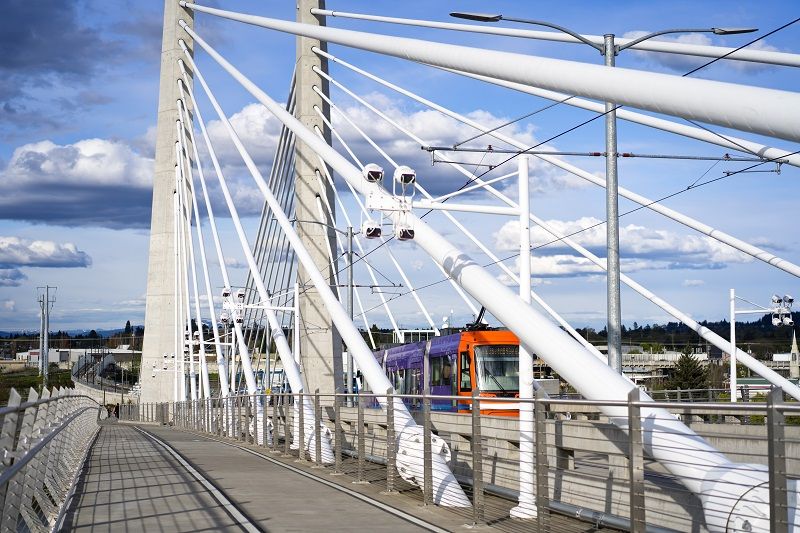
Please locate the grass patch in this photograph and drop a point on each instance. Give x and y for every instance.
(22, 380)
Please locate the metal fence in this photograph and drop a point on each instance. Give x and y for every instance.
(44, 442)
(585, 466)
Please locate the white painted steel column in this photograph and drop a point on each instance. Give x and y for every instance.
(446, 490)
(527, 502)
(178, 356)
(733, 346)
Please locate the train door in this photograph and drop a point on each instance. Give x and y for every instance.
(465, 379)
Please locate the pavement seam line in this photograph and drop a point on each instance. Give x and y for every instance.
(380, 505)
(218, 495)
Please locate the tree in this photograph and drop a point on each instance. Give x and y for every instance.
(688, 373)
(128, 328)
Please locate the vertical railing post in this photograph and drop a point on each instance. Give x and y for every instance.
(275, 420)
(391, 442)
(427, 465)
(301, 430)
(542, 467)
(636, 464)
(248, 415)
(776, 452)
(287, 440)
(338, 435)
(317, 430)
(477, 462)
(239, 430)
(361, 438)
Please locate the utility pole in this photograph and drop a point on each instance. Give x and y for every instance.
(46, 302)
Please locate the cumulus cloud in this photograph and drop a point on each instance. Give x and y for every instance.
(93, 182)
(640, 247)
(436, 129)
(10, 305)
(685, 63)
(232, 262)
(15, 252)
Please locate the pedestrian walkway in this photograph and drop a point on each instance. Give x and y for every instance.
(132, 483)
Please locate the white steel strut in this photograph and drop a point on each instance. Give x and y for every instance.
(729, 491)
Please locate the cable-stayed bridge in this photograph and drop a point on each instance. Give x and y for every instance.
(455, 421)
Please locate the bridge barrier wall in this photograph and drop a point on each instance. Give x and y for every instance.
(44, 442)
(583, 462)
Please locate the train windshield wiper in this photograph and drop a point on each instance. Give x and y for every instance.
(488, 373)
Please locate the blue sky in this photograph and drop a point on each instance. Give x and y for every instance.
(78, 98)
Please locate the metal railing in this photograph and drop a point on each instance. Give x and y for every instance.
(585, 466)
(43, 442)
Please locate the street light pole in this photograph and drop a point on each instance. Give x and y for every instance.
(613, 299)
(609, 50)
(733, 346)
(350, 372)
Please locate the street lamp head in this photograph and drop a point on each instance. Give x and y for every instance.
(776, 299)
(732, 31)
(788, 299)
(480, 17)
(787, 321)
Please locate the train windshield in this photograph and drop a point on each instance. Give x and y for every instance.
(497, 367)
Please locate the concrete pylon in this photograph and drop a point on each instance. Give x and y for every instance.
(158, 383)
(320, 343)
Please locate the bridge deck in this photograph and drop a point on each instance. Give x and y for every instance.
(132, 483)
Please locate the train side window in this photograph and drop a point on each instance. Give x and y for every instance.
(466, 383)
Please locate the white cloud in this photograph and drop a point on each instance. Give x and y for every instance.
(232, 262)
(93, 182)
(666, 249)
(10, 305)
(22, 252)
(684, 63)
(11, 277)
(693, 282)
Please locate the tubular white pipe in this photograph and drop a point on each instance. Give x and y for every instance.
(705, 229)
(222, 368)
(755, 56)
(185, 232)
(204, 380)
(704, 332)
(527, 506)
(466, 208)
(701, 468)
(753, 109)
(452, 219)
(692, 132)
(446, 489)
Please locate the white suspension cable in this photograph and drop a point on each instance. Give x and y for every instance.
(364, 210)
(705, 229)
(340, 244)
(204, 379)
(186, 233)
(704, 332)
(692, 132)
(244, 353)
(768, 112)
(445, 487)
(717, 481)
(222, 369)
(180, 393)
(285, 352)
(552, 312)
